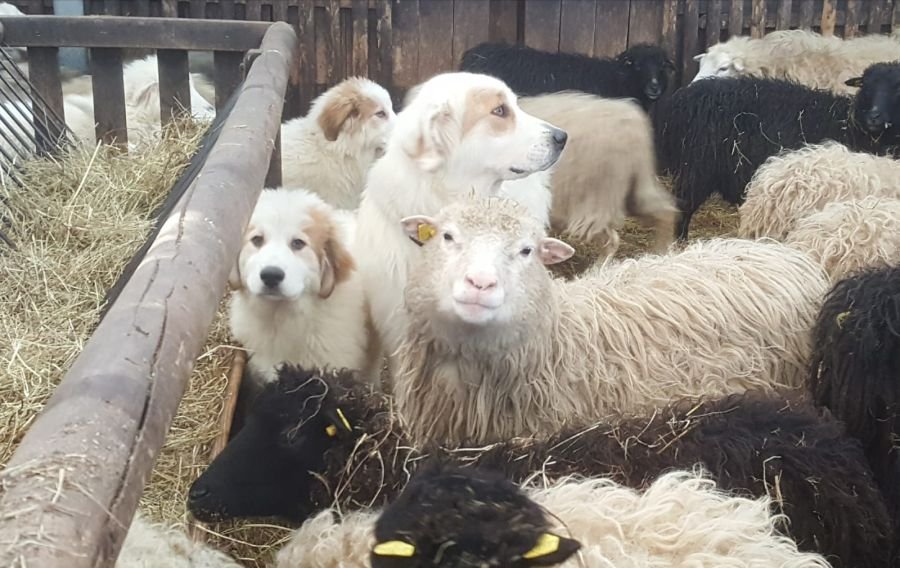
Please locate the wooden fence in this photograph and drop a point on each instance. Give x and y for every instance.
(401, 42)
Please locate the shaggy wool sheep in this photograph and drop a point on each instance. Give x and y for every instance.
(483, 311)
(805, 57)
(149, 545)
(459, 133)
(855, 367)
(793, 184)
(640, 72)
(297, 297)
(848, 236)
(468, 519)
(350, 452)
(712, 135)
(608, 170)
(330, 150)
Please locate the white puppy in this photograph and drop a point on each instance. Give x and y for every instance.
(330, 150)
(297, 298)
(460, 133)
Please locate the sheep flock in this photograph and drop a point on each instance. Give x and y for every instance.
(431, 383)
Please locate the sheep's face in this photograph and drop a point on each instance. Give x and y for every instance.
(292, 248)
(471, 127)
(651, 67)
(455, 518)
(718, 62)
(483, 262)
(357, 114)
(878, 100)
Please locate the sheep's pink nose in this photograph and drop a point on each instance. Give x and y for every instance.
(481, 280)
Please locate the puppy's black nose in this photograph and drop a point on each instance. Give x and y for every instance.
(560, 137)
(271, 276)
(198, 492)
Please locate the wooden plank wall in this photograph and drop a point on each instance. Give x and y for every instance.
(402, 42)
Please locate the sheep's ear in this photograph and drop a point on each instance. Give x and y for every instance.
(696, 58)
(335, 115)
(436, 136)
(419, 228)
(393, 554)
(553, 251)
(738, 65)
(854, 82)
(551, 550)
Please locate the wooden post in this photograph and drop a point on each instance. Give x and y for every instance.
(109, 96)
(758, 19)
(783, 16)
(829, 17)
(736, 18)
(713, 22)
(43, 73)
(228, 75)
(174, 84)
(75, 480)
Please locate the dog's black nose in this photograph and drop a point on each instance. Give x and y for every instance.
(560, 137)
(271, 276)
(198, 492)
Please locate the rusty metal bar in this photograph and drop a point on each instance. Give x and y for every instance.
(109, 96)
(75, 480)
(132, 32)
(174, 84)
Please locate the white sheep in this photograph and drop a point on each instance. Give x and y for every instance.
(330, 150)
(681, 519)
(805, 57)
(496, 348)
(607, 171)
(794, 184)
(152, 545)
(460, 133)
(848, 236)
(297, 296)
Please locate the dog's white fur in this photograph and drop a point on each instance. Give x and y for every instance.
(315, 316)
(330, 150)
(447, 143)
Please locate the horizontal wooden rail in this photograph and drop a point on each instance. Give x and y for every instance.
(130, 32)
(68, 493)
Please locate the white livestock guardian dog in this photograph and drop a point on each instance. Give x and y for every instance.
(330, 150)
(297, 298)
(460, 133)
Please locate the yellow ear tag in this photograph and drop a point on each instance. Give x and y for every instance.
(546, 544)
(331, 430)
(426, 232)
(344, 420)
(394, 548)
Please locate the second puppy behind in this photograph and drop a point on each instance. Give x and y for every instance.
(297, 297)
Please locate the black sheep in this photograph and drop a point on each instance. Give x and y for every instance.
(713, 134)
(751, 443)
(640, 72)
(855, 368)
(465, 517)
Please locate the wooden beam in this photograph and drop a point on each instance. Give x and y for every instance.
(736, 18)
(109, 96)
(132, 33)
(758, 19)
(783, 15)
(43, 73)
(829, 17)
(76, 478)
(174, 84)
(713, 22)
(228, 75)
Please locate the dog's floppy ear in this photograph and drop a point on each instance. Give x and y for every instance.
(437, 134)
(335, 261)
(336, 113)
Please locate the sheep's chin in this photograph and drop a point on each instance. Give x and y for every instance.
(474, 313)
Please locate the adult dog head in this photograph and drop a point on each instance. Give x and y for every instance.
(470, 126)
(292, 247)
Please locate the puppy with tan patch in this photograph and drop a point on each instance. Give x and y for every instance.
(297, 297)
(460, 133)
(330, 150)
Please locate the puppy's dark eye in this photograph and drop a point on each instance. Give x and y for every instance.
(298, 244)
(381, 114)
(448, 237)
(257, 241)
(526, 252)
(500, 111)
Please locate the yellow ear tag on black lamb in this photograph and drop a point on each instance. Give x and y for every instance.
(547, 544)
(394, 548)
(331, 430)
(426, 232)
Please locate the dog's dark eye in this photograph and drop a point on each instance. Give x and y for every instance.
(298, 244)
(257, 241)
(448, 237)
(499, 111)
(526, 251)
(381, 114)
